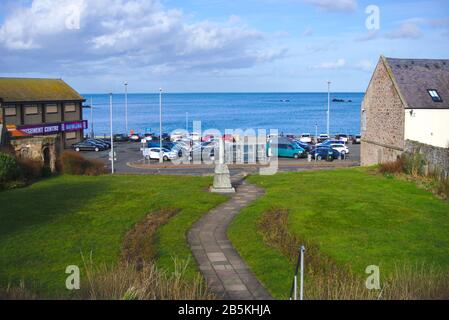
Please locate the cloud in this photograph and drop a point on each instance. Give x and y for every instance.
(334, 5)
(407, 30)
(307, 32)
(371, 35)
(364, 65)
(104, 35)
(339, 64)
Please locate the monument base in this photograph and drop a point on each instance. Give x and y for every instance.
(222, 180)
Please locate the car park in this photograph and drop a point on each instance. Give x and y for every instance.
(343, 149)
(87, 146)
(286, 150)
(322, 137)
(306, 137)
(329, 142)
(342, 137)
(307, 147)
(102, 143)
(357, 139)
(135, 137)
(155, 153)
(120, 137)
(325, 153)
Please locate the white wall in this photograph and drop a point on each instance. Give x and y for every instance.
(429, 126)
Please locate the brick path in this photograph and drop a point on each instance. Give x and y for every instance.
(226, 273)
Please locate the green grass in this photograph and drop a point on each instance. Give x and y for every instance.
(356, 218)
(46, 226)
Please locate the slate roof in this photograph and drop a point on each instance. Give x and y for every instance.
(414, 77)
(36, 90)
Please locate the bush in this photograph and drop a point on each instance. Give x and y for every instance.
(442, 188)
(414, 164)
(75, 164)
(393, 167)
(30, 169)
(9, 168)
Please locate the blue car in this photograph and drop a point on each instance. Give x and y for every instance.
(329, 142)
(325, 153)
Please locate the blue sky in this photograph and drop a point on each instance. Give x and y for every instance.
(213, 45)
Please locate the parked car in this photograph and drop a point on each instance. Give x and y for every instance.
(154, 153)
(322, 137)
(102, 143)
(157, 144)
(286, 150)
(325, 153)
(357, 139)
(343, 149)
(135, 137)
(120, 137)
(177, 136)
(342, 137)
(306, 137)
(307, 147)
(87, 146)
(329, 142)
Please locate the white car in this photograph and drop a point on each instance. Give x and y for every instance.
(343, 137)
(154, 153)
(343, 149)
(135, 137)
(306, 138)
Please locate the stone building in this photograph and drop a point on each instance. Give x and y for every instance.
(406, 103)
(40, 117)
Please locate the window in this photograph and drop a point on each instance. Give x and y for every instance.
(31, 110)
(51, 108)
(10, 111)
(70, 135)
(434, 95)
(70, 107)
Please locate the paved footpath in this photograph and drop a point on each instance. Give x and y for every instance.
(226, 273)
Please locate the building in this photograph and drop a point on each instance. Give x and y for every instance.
(406, 108)
(39, 117)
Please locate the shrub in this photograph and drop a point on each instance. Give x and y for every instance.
(30, 169)
(414, 164)
(9, 168)
(393, 167)
(75, 164)
(442, 188)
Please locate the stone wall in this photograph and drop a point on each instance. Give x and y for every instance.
(436, 158)
(382, 119)
(42, 149)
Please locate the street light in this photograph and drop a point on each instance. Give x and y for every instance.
(187, 121)
(161, 159)
(92, 135)
(112, 137)
(126, 107)
(328, 106)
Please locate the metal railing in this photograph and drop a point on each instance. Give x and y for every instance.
(299, 268)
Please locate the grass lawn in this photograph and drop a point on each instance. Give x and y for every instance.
(355, 217)
(45, 227)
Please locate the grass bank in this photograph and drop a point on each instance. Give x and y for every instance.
(354, 218)
(45, 227)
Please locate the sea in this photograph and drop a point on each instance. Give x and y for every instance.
(289, 113)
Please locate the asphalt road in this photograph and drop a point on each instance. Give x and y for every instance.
(130, 161)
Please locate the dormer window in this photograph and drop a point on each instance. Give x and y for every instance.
(434, 95)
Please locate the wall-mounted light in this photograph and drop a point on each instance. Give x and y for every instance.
(411, 113)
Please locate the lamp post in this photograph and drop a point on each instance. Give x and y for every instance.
(161, 154)
(126, 107)
(187, 121)
(328, 106)
(92, 135)
(112, 136)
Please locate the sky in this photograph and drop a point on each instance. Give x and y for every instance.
(216, 45)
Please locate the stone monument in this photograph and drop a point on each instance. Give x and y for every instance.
(222, 178)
